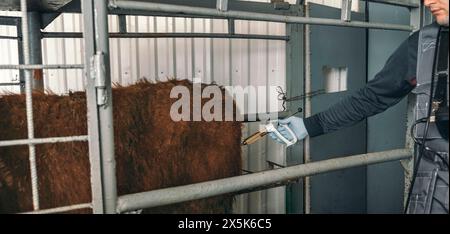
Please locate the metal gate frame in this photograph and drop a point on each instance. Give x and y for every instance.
(100, 119)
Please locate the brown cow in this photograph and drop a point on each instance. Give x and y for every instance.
(151, 150)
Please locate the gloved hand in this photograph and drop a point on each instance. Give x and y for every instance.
(295, 124)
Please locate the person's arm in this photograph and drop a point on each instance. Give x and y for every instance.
(396, 80)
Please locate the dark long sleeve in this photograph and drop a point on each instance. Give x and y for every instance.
(395, 81)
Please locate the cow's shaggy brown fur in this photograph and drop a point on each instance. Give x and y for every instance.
(151, 150)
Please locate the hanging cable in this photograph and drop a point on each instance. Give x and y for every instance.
(439, 155)
(282, 96)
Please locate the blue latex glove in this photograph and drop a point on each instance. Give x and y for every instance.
(295, 124)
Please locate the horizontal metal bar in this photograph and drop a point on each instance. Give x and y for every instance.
(235, 184)
(8, 38)
(10, 84)
(9, 20)
(260, 7)
(61, 209)
(40, 66)
(158, 7)
(248, 118)
(169, 35)
(51, 140)
(404, 3)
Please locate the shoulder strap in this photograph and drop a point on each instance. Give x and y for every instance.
(426, 56)
(442, 69)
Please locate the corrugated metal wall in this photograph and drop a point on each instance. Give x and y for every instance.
(224, 61)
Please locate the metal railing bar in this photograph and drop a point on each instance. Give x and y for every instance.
(202, 11)
(41, 66)
(61, 209)
(51, 140)
(10, 84)
(8, 38)
(191, 192)
(169, 35)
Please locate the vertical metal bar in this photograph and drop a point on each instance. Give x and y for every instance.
(29, 105)
(222, 5)
(155, 47)
(231, 27)
(20, 53)
(34, 35)
(106, 111)
(122, 23)
(346, 10)
(174, 51)
(100, 115)
(295, 86)
(307, 152)
(92, 114)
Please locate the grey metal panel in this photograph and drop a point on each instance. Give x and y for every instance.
(386, 131)
(343, 191)
(295, 86)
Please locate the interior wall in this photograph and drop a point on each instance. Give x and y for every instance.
(386, 131)
(342, 191)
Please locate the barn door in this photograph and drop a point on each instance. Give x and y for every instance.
(338, 66)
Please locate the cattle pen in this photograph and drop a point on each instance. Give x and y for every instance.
(97, 73)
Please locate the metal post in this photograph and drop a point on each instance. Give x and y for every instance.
(100, 120)
(101, 99)
(308, 112)
(191, 192)
(106, 111)
(231, 27)
(295, 86)
(34, 34)
(346, 10)
(20, 53)
(29, 105)
(222, 5)
(92, 114)
(122, 23)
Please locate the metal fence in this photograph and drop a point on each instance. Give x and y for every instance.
(100, 118)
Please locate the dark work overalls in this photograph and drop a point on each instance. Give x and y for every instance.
(430, 192)
(409, 68)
